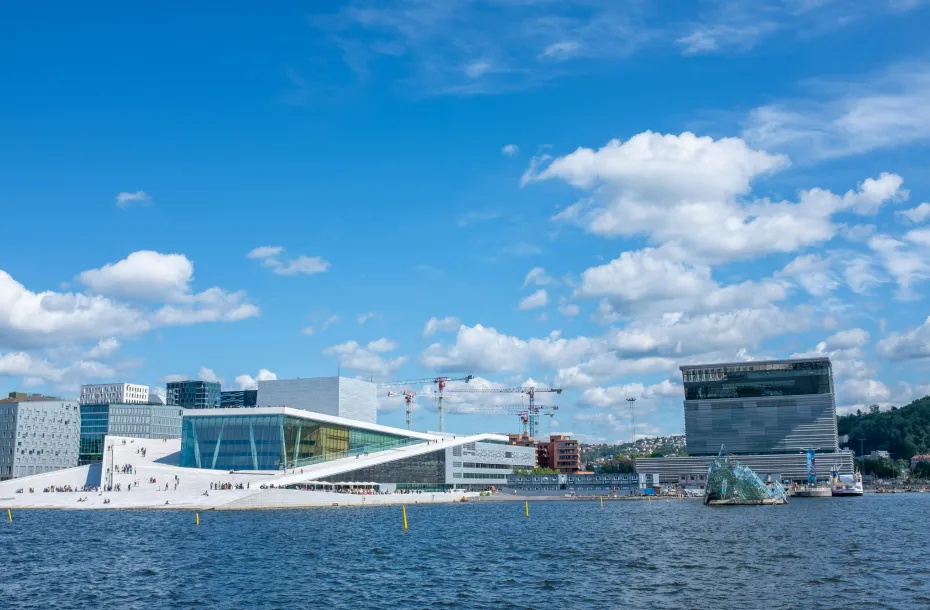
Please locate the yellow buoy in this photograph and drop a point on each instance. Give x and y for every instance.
(602, 501)
(9, 515)
(527, 508)
(404, 509)
(197, 518)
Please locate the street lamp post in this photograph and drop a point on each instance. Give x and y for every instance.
(632, 402)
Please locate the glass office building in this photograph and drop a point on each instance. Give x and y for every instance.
(272, 439)
(772, 407)
(239, 398)
(129, 420)
(194, 394)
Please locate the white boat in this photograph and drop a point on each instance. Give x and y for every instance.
(847, 485)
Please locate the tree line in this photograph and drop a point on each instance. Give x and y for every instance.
(903, 432)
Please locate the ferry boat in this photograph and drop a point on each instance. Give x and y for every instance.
(847, 484)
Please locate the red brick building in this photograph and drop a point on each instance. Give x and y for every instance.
(559, 453)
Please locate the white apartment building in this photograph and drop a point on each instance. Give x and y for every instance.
(105, 393)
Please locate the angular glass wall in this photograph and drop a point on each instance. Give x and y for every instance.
(94, 427)
(425, 472)
(273, 442)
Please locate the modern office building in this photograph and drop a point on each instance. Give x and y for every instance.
(580, 484)
(193, 394)
(239, 398)
(338, 396)
(37, 434)
(126, 420)
(331, 449)
(777, 406)
(125, 393)
(767, 413)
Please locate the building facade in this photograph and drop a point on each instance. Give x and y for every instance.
(773, 407)
(559, 453)
(193, 394)
(783, 467)
(337, 396)
(129, 420)
(239, 398)
(37, 434)
(125, 393)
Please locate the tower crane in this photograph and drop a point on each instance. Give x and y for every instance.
(440, 385)
(529, 391)
(520, 411)
(408, 398)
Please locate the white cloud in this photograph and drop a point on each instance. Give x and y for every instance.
(302, 265)
(711, 38)
(510, 150)
(562, 50)
(36, 371)
(382, 345)
(104, 348)
(30, 319)
(813, 273)
(126, 199)
(447, 324)
(206, 374)
(538, 299)
(247, 382)
(906, 263)
(143, 275)
(362, 318)
(211, 305)
(848, 339)
(307, 331)
(569, 310)
(364, 360)
(263, 252)
(333, 319)
(689, 194)
(615, 396)
(916, 214)
(912, 344)
(175, 377)
(538, 276)
(878, 111)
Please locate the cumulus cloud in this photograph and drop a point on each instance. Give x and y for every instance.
(569, 310)
(247, 382)
(126, 199)
(36, 371)
(917, 214)
(538, 299)
(615, 396)
(911, 344)
(143, 275)
(103, 349)
(434, 325)
(207, 374)
(367, 360)
(690, 192)
(537, 276)
(813, 273)
(302, 265)
(510, 150)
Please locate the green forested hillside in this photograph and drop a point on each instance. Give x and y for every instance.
(903, 432)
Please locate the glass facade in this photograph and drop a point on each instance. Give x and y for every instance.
(194, 394)
(424, 472)
(239, 398)
(752, 380)
(780, 406)
(272, 442)
(94, 426)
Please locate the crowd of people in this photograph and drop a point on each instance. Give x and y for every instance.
(124, 469)
(225, 486)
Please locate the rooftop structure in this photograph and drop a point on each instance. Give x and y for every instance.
(37, 434)
(193, 394)
(124, 393)
(338, 396)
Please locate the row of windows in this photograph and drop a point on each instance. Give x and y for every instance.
(476, 475)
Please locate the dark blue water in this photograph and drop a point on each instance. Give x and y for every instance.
(870, 552)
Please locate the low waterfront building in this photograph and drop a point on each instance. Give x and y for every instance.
(337, 449)
(338, 396)
(126, 420)
(631, 484)
(239, 398)
(781, 467)
(124, 393)
(193, 394)
(38, 434)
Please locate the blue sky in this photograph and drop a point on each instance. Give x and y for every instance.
(578, 194)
